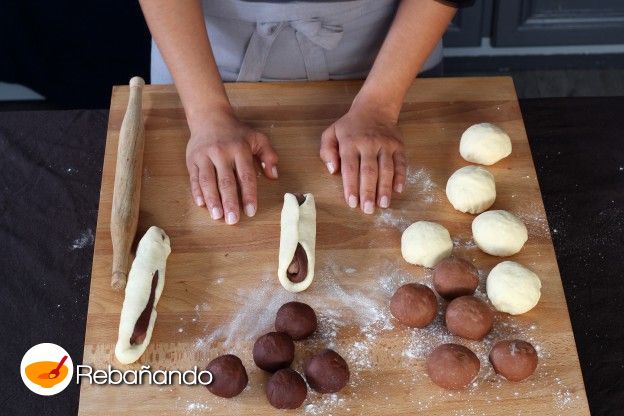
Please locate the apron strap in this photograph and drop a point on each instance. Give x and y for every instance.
(258, 50)
(312, 36)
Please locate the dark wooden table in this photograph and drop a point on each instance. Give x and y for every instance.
(49, 185)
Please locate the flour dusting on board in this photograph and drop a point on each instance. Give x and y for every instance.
(533, 216)
(255, 315)
(465, 247)
(391, 218)
(335, 307)
(420, 188)
(464, 243)
(192, 407)
(420, 183)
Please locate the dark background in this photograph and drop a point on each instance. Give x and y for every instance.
(72, 52)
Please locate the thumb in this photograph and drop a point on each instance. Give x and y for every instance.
(262, 149)
(329, 149)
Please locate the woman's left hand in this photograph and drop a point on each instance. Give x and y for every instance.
(367, 147)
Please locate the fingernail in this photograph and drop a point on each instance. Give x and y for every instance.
(330, 167)
(250, 210)
(353, 201)
(231, 218)
(199, 201)
(369, 207)
(216, 213)
(383, 202)
(274, 171)
(399, 188)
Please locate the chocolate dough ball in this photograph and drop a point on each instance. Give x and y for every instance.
(515, 360)
(286, 389)
(326, 372)
(296, 319)
(452, 366)
(229, 377)
(414, 305)
(469, 317)
(273, 351)
(454, 277)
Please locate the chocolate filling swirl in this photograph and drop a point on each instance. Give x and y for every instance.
(300, 198)
(140, 328)
(298, 269)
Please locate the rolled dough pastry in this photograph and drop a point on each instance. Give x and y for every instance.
(297, 241)
(485, 144)
(145, 284)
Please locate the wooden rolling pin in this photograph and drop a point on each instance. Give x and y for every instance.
(127, 191)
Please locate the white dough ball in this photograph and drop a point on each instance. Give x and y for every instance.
(513, 288)
(471, 189)
(499, 233)
(425, 243)
(485, 144)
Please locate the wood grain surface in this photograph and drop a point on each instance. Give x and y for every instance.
(221, 289)
(127, 188)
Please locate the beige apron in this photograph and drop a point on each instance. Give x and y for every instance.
(294, 41)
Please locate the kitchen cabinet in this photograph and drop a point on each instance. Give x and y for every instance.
(557, 22)
(538, 23)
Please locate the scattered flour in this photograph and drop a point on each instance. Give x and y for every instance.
(533, 216)
(336, 308)
(388, 218)
(255, 316)
(564, 397)
(323, 404)
(420, 189)
(421, 185)
(464, 244)
(86, 239)
(192, 407)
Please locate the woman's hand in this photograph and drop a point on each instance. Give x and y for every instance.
(366, 145)
(219, 158)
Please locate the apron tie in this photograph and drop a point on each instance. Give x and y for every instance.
(325, 36)
(313, 37)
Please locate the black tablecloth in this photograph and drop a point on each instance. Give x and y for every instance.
(49, 185)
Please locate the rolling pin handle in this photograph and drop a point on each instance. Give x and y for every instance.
(127, 189)
(119, 280)
(137, 82)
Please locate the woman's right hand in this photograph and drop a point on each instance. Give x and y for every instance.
(219, 158)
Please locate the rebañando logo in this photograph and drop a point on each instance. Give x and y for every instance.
(47, 369)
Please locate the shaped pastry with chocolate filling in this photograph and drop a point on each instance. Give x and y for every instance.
(145, 284)
(297, 241)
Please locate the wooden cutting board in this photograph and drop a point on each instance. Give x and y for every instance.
(221, 288)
